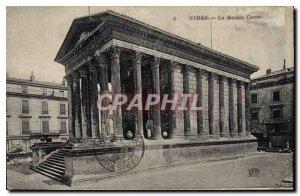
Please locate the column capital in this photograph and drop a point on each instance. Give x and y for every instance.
(101, 58)
(69, 79)
(92, 68)
(173, 65)
(137, 57)
(187, 69)
(233, 81)
(155, 63)
(82, 72)
(240, 83)
(202, 72)
(222, 79)
(75, 76)
(115, 52)
(214, 76)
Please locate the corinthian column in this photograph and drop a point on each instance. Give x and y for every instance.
(186, 90)
(102, 63)
(93, 101)
(70, 108)
(77, 106)
(233, 122)
(241, 109)
(156, 108)
(199, 103)
(247, 110)
(211, 103)
(116, 89)
(221, 105)
(83, 100)
(173, 129)
(137, 60)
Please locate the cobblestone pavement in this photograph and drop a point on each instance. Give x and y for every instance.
(266, 170)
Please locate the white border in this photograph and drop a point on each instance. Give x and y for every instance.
(5, 3)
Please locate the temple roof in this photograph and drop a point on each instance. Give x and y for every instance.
(83, 27)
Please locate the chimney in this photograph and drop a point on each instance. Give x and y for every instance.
(32, 78)
(268, 72)
(283, 63)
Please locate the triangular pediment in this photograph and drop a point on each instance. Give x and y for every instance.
(79, 30)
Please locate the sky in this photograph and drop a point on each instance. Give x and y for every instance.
(35, 34)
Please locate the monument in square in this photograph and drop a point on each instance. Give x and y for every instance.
(109, 54)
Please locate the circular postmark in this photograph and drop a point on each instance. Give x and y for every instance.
(121, 155)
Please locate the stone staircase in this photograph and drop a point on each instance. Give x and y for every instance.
(53, 166)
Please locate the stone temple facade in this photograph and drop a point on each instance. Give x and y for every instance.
(139, 59)
(111, 49)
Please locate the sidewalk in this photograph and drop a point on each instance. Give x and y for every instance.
(230, 174)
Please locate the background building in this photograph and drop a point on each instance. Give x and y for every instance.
(35, 112)
(271, 109)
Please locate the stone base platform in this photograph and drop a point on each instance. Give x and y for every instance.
(91, 163)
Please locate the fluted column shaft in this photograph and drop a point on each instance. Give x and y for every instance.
(77, 106)
(137, 60)
(83, 98)
(70, 108)
(173, 128)
(233, 121)
(241, 112)
(186, 90)
(156, 108)
(93, 101)
(103, 80)
(116, 89)
(247, 110)
(199, 78)
(221, 105)
(211, 103)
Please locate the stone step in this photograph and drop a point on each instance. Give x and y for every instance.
(60, 168)
(55, 163)
(58, 157)
(49, 175)
(60, 153)
(62, 161)
(52, 169)
(59, 175)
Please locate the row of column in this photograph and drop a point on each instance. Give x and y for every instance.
(83, 94)
(82, 102)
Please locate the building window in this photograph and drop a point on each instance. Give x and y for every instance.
(45, 126)
(25, 127)
(44, 92)
(276, 113)
(276, 96)
(25, 106)
(24, 89)
(254, 98)
(63, 127)
(61, 93)
(62, 108)
(254, 116)
(44, 107)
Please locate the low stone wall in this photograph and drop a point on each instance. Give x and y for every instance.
(86, 165)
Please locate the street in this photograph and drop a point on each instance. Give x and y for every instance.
(263, 170)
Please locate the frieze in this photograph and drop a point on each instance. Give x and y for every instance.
(142, 37)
